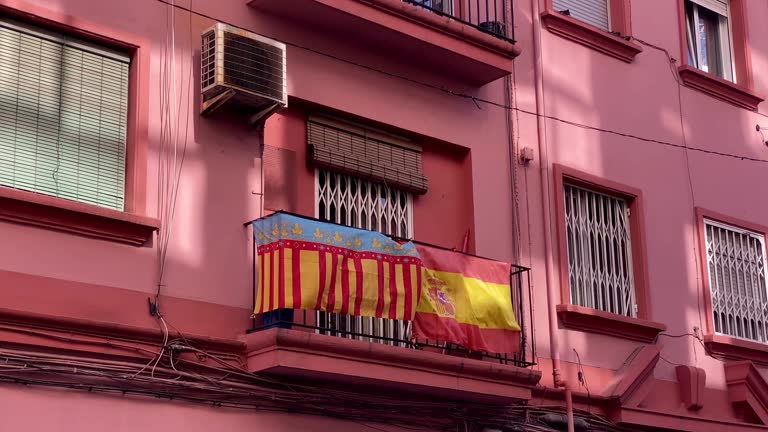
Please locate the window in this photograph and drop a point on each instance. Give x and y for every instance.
(63, 116)
(708, 36)
(445, 6)
(365, 178)
(352, 201)
(594, 12)
(736, 266)
(597, 231)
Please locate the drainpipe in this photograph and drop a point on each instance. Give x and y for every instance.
(552, 295)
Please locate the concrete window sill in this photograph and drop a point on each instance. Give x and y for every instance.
(31, 208)
(596, 321)
(719, 88)
(736, 349)
(591, 37)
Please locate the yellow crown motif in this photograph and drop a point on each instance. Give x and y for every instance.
(297, 230)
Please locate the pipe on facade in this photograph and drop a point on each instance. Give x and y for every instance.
(554, 339)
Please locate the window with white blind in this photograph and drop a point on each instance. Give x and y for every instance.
(63, 115)
(736, 265)
(597, 228)
(353, 201)
(594, 12)
(708, 35)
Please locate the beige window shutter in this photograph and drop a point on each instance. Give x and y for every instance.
(363, 152)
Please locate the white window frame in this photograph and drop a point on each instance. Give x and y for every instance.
(378, 327)
(760, 237)
(609, 22)
(725, 42)
(585, 294)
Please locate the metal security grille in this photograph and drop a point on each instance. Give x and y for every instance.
(737, 280)
(599, 251)
(355, 202)
(63, 115)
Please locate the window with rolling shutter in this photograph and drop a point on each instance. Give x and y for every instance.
(63, 116)
(594, 12)
(365, 153)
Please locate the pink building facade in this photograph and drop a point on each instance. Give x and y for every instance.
(613, 150)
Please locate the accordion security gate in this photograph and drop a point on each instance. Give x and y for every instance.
(599, 251)
(351, 201)
(737, 279)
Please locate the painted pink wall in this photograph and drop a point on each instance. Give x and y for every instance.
(219, 188)
(208, 259)
(585, 86)
(67, 411)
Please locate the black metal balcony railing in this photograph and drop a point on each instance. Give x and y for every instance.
(489, 16)
(398, 333)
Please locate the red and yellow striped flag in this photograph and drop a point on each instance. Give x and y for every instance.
(466, 300)
(312, 265)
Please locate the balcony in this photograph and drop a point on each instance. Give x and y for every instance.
(319, 342)
(467, 40)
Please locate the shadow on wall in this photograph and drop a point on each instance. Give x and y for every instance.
(207, 256)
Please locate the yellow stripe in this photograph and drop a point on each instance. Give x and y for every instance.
(352, 285)
(327, 283)
(414, 288)
(370, 288)
(267, 273)
(385, 311)
(484, 304)
(399, 281)
(276, 278)
(309, 278)
(287, 266)
(338, 295)
(260, 288)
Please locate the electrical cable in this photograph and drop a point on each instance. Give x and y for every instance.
(477, 100)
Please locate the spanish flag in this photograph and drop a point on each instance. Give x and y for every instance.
(313, 265)
(466, 300)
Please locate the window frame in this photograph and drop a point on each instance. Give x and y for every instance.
(132, 225)
(612, 42)
(702, 216)
(725, 45)
(638, 328)
(739, 92)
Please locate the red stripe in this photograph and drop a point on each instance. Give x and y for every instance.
(261, 283)
(466, 265)
(272, 281)
(321, 285)
(358, 285)
(296, 269)
(408, 290)
(345, 284)
(431, 326)
(392, 291)
(281, 278)
(332, 285)
(380, 299)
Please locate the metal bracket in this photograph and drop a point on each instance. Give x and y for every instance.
(207, 107)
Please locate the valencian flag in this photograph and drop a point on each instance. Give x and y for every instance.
(466, 300)
(313, 265)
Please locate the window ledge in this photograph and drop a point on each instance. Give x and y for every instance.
(596, 321)
(719, 88)
(592, 37)
(70, 216)
(736, 349)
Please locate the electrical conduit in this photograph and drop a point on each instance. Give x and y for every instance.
(552, 295)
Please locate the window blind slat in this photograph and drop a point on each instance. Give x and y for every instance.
(63, 115)
(594, 12)
(718, 6)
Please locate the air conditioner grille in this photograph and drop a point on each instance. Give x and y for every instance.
(208, 60)
(253, 65)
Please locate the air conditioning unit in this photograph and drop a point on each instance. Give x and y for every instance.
(242, 68)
